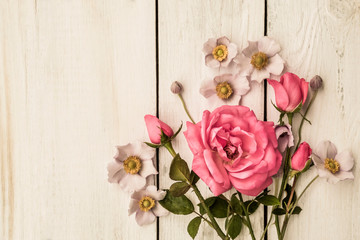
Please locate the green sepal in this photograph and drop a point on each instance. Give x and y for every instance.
(177, 132)
(153, 145)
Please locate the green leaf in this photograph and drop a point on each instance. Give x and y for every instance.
(177, 132)
(217, 206)
(265, 192)
(153, 145)
(234, 226)
(269, 200)
(251, 206)
(281, 111)
(297, 210)
(194, 178)
(179, 170)
(179, 188)
(279, 211)
(235, 204)
(209, 201)
(193, 227)
(177, 205)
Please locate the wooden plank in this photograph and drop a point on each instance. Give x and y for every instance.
(184, 26)
(69, 84)
(321, 37)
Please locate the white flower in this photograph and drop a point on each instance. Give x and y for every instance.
(219, 52)
(260, 59)
(145, 204)
(133, 164)
(331, 165)
(225, 89)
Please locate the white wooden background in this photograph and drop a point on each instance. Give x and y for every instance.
(77, 77)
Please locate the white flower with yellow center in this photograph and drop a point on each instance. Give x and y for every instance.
(145, 204)
(260, 59)
(133, 164)
(219, 52)
(331, 165)
(225, 89)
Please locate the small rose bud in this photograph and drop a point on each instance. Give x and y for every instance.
(316, 83)
(176, 87)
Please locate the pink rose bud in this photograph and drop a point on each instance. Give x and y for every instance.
(290, 91)
(154, 127)
(301, 156)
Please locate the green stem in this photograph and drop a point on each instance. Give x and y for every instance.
(247, 216)
(304, 117)
(203, 218)
(287, 218)
(211, 217)
(170, 148)
(267, 226)
(214, 224)
(185, 108)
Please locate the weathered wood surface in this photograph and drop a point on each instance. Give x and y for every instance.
(322, 38)
(69, 84)
(77, 77)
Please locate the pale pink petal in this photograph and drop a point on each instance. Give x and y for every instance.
(138, 195)
(342, 175)
(124, 151)
(281, 96)
(210, 61)
(275, 65)
(316, 160)
(244, 64)
(208, 88)
(259, 75)
(147, 168)
(209, 46)
(346, 160)
(116, 172)
(155, 194)
(251, 49)
(132, 183)
(325, 149)
(223, 78)
(133, 207)
(146, 152)
(223, 41)
(268, 46)
(144, 218)
(159, 210)
(232, 51)
(240, 85)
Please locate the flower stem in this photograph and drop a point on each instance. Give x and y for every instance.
(185, 108)
(214, 224)
(247, 216)
(304, 117)
(211, 217)
(287, 217)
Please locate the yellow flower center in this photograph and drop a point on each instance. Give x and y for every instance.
(259, 60)
(224, 90)
(332, 165)
(146, 203)
(220, 52)
(132, 165)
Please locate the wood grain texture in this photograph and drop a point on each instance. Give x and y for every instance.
(69, 82)
(184, 26)
(321, 37)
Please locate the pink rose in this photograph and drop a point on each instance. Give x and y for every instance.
(290, 91)
(301, 156)
(232, 148)
(154, 127)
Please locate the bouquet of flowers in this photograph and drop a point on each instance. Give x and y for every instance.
(232, 149)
